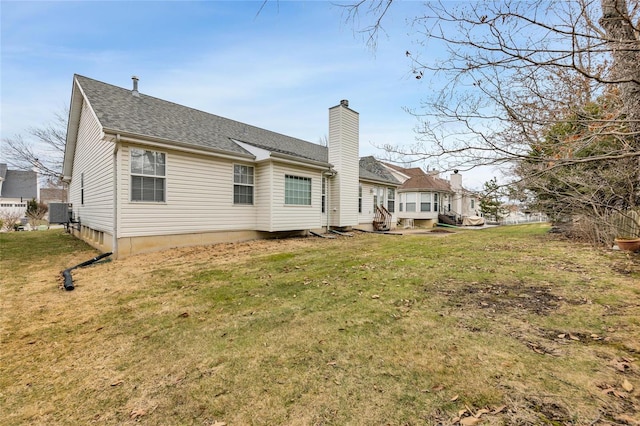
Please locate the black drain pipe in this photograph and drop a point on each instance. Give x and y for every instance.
(68, 280)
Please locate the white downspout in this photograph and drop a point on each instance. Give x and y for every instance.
(114, 242)
(326, 175)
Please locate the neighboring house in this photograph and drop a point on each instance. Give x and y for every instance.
(17, 188)
(377, 195)
(53, 195)
(423, 196)
(513, 213)
(147, 174)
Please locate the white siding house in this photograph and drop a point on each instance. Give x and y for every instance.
(147, 174)
(17, 188)
(424, 198)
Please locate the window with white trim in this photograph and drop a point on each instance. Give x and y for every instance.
(360, 198)
(435, 203)
(411, 202)
(242, 184)
(425, 202)
(82, 188)
(148, 171)
(297, 190)
(391, 200)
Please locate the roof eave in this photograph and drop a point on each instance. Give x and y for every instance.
(381, 181)
(75, 108)
(177, 145)
(425, 190)
(302, 160)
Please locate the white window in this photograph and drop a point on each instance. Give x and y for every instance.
(391, 200)
(242, 184)
(472, 204)
(425, 202)
(297, 190)
(435, 203)
(360, 198)
(148, 171)
(82, 188)
(411, 202)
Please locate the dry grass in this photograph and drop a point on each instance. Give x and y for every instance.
(418, 329)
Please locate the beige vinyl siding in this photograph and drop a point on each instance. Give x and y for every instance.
(367, 204)
(93, 158)
(343, 154)
(199, 198)
(263, 196)
(294, 217)
(368, 213)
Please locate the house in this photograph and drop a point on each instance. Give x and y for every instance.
(53, 195)
(17, 188)
(377, 194)
(146, 174)
(425, 199)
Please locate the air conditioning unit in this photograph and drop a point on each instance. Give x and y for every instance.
(60, 212)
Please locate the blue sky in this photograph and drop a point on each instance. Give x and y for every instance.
(280, 69)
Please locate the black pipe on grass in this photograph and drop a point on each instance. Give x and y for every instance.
(68, 280)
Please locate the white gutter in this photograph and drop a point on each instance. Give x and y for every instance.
(169, 144)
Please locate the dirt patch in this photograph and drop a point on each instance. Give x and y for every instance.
(550, 411)
(500, 298)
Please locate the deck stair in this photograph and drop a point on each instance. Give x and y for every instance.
(382, 219)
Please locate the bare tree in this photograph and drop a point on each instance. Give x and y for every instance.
(41, 149)
(515, 69)
(512, 69)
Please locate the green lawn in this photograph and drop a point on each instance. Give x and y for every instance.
(511, 324)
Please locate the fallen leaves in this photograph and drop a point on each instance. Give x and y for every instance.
(137, 413)
(469, 421)
(467, 416)
(622, 365)
(625, 391)
(628, 420)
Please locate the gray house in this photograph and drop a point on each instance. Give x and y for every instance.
(17, 188)
(146, 174)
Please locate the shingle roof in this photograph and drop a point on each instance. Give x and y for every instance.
(20, 184)
(426, 183)
(53, 195)
(421, 180)
(119, 110)
(413, 171)
(372, 169)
